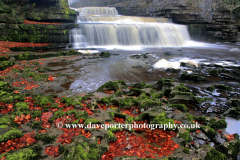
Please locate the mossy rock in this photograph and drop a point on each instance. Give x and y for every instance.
(44, 101)
(45, 138)
(84, 150)
(163, 83)
(230, 149)
(182, 88)
(4, 120)
(105, 54)
(213, 154)
(233, 103)
(110, 136)
(217, 124)
(140, 85)
(162, 118)
(149, 104)
(233, 112)
(113, 85)
(135, 92)
(26, 153)
(21, 106)
(186, 137)
(180, 107)
(11, 134)
(192, 77)
(211, 133)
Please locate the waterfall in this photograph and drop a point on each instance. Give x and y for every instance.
(103, 27)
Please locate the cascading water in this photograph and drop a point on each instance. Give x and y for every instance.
(101, 27)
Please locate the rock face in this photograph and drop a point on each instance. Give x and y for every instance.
(36, 21)
(210, 20)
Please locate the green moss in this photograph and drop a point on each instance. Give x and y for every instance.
(220, 86)
(110, 136)
(105, 100)
(125, 103)
(105, 54)
(185, 136)
(149, 104)
(163, 82)
(56, 115)
(200, 119)
(162, 119)
(214, 72)
(37, 125)
(230, 149)
(84, 151)
(113, 129)
(21, 106)
(143, 97)
(140, 85)
(199, 99)
(211, 88)
(180, 107)
(186, 150)
(5, 64)
(182, 88)
(213, 154)
(189, 117)
(92, 121)
(35, 76)
(213, 123)
(119, 94)
(44, 101)
(44, 137)
(68, 101)
(12, 134)
(3, 126)
(4, 120)
(129, 120)
(36, 114)
(135, 92)
(109, 86)
(24, 154)
(111, 114)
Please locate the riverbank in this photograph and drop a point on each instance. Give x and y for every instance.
(39, 90)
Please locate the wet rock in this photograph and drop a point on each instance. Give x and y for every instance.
(12, 59)
(234, 50)
(196, 144)
(238, 157)
(201, 135)
(192, 77)
(224, 135)
(233, 103)
(200, 142)
(211, 144)
(218, 140)
(164, 100)
(226, 76)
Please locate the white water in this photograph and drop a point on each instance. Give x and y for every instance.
(102, 27)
